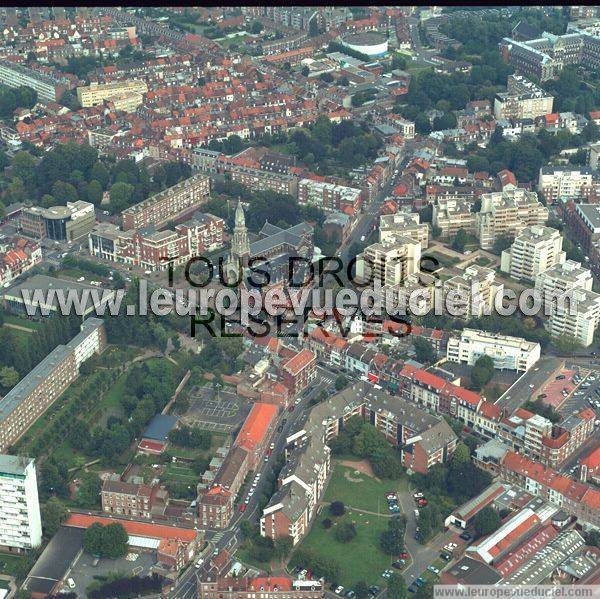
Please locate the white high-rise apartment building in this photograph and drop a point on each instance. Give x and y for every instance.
(20, 521)
(534, 250)
(390, 263)
(507, 212)
(578, 317)
(565, 182)
(403, 223)
(512, 353)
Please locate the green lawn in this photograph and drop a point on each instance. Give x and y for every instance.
(361, 558)
(21, 321)
(9, 563)
(361, 491)
(180, 473)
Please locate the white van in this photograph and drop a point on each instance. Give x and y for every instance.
(71, 583)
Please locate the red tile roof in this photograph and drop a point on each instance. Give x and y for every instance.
(592, 460)
(256, 425)
(137, 529)
(298, 362)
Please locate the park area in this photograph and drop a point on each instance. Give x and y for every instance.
(364, 496)
(359, 559)
(355, 487)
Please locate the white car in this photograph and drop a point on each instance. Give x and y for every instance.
(339, 590)
(71, 583)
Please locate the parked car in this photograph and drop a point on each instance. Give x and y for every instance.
(466, 536)
(339, 590)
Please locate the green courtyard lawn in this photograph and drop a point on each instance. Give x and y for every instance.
(9, 563)
(21, 321)
(361, 491)
(361, 558)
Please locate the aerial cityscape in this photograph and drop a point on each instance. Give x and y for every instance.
(299, 302)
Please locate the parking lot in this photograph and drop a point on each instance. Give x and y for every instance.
(585, 393)
(84, 573)
(221, 411)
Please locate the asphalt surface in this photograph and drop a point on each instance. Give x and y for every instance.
(529, 384)
(231, 538)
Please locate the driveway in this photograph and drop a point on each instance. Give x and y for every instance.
(422, 555)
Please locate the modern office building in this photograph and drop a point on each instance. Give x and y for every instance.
(176, 201)
(522, 100)
(534, 250)
(511, 353)
(20, 521)
(48, 87)
(59, 223)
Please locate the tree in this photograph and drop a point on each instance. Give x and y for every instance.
(54, 514)
(341, 382)
(88, 493)
(461, 453)
(424, 351)
(460, 240)
(502, 243)
(566, 344)
(337, 508)
(9, 377)
(396, 587)
(344, 532)
(93, 539)
(100, 173)
(93, 192)
(106, 541)
(482, 372)
(487, 521)
(327, 523)
(121, 195)
(361, 589)
(283, 547)
(256, 27)
(64, 192)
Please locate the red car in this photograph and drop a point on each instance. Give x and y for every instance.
(422, 502)
(404, 555)
(243, 507)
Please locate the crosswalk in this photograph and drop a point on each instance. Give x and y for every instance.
(215, 540)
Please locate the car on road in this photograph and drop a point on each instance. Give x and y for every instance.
(199, 563)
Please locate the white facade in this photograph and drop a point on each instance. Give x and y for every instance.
(562, 277)
(403, 223)
(564, 182)
(390, 263)
(20, 521)
(512, 353)
(506, 213)
(534, 250)
(578, 318)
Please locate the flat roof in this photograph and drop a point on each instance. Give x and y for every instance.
(14, 465)
(159, 428)
(55, 560)
(366, 38)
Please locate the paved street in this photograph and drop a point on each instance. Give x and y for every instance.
(529, 384)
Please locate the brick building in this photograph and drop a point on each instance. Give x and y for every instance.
(299, 371)
(157, 210)
(256, 431)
